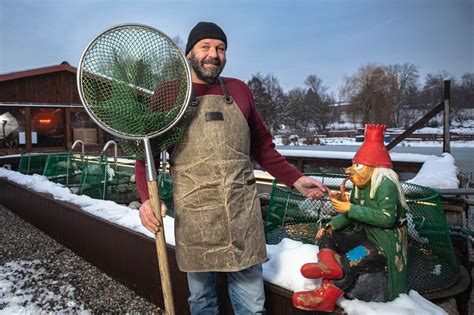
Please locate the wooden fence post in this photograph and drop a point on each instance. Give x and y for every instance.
(447, 99)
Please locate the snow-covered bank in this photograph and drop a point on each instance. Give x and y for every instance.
(351, 141)
(437, 172)
(285, 258)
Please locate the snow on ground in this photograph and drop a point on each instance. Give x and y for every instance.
(282, 267)
(411, 303)
(17, 279)
(284, 263)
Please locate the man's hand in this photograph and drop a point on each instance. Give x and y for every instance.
(148, 218)
(340, 206)
(310, 188)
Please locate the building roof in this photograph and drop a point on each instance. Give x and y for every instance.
(64, 66)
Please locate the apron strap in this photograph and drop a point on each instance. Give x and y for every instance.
(227, 98)
(194, 101)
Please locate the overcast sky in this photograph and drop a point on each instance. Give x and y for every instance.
(287, 38)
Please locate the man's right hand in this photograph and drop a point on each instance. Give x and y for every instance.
(149, 221)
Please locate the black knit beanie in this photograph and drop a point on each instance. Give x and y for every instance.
(204, 30)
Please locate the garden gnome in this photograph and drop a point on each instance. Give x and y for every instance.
(362, 250)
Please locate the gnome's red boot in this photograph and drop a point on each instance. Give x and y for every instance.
(328, 267)
(322, 299)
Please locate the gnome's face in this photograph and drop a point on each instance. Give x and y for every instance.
(360, 174)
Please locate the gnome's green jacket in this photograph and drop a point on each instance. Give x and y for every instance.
(380, 217)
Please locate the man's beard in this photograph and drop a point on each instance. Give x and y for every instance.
(207, 75)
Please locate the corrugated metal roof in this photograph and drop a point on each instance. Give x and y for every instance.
(64, 66)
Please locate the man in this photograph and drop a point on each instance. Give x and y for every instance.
(363, 250)
(218, 222)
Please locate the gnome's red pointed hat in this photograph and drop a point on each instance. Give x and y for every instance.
(373, 151)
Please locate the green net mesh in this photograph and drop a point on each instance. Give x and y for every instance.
(94, 178)
(166, 191)
(63, 168)
(135, 82)
(432, 265)
(32, 163)
(103, 180)
(135, 149)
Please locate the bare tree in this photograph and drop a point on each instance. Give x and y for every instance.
(465, 91)
(433, 93)
(462, 96)
(406, 78)
(179, 42)
(467, 82)
(318, 103)
(297, 116)
(372, 92)
(270, 100)
(433, 89)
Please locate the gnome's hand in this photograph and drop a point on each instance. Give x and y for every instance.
(327, 229)
(340, 206)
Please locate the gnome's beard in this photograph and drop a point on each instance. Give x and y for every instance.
(377, 177)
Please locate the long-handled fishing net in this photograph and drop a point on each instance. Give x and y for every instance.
(135, 83)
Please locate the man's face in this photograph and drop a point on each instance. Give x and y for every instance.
(360, 174)
(207, 60)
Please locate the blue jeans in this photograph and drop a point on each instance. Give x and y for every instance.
(245, 291)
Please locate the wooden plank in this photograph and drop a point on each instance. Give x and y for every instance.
(446, 120)
(316, 162)
(28, 129)
(423, 120)
(68, 129)
(101, 136)
(455, 208)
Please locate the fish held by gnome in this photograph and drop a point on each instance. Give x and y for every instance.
(363, 249)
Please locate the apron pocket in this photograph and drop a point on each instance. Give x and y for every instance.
(250, 191)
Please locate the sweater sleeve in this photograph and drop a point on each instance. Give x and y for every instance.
(140, 179)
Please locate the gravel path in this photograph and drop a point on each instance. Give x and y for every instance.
(37, 274)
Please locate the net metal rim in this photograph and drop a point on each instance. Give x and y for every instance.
(108, 128)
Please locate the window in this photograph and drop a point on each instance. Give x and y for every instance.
(48, 124)
(12, 122)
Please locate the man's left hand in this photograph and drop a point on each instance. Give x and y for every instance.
(340, 206)
(310, 188)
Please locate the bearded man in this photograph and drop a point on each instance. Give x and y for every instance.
(362, 250)
(218, 221)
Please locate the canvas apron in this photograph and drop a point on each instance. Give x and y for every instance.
(218, 222)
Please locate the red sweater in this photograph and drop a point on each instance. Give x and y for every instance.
(262, 148)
